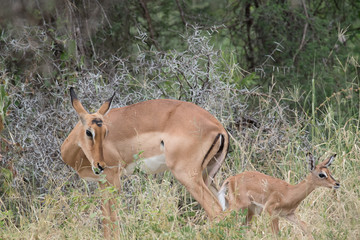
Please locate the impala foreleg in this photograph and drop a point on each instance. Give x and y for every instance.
(109, 213)
(109, 218)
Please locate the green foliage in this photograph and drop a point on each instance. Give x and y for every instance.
(311, 33)
(4, 104)
(6, 179)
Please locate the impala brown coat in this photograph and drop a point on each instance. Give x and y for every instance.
(170, 135)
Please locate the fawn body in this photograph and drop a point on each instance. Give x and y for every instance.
(256, 192)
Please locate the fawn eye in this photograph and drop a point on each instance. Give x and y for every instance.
(321, 175)
(88, 133)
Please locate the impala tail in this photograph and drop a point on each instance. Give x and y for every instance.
(221, 196)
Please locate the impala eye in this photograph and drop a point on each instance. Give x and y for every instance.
(321, 175)
(88, 133)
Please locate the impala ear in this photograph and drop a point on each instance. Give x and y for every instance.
(311, 161)
(106, 106)
(328, 161)
(77, 105)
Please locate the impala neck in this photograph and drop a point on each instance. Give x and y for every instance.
(301, 190)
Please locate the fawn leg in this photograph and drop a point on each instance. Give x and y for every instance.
(269, 207)
(249, 215)
(294, 219)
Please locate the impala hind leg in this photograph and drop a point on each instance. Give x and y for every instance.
(194, 183)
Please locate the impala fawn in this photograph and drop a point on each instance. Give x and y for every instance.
(256, 192)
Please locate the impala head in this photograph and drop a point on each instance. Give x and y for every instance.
(321, 175)
(93, 132)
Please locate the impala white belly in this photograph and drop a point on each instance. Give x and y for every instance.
(151, 165)
(91, 179)
(155, 164)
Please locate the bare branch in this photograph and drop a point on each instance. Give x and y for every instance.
(149, 22)
(303, 42)
(182, 15)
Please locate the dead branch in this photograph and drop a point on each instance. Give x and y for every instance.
(149, 22)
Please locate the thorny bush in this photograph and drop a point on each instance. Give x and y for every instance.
(40, 115)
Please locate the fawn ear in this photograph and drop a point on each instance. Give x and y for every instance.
(311, 161)
(106, 106)
(328, 161)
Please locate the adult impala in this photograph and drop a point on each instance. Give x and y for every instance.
(172, 135)
(256, 192)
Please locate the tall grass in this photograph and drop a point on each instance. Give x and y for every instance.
(158, 207)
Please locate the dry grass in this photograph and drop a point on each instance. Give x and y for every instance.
(159, 207)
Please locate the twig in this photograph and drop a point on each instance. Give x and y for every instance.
(206, 82)
(148, 20)
(182, 15)
(249, 23)
(302, 44)
(237, 143)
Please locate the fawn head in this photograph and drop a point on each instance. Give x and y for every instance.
(321, 175)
